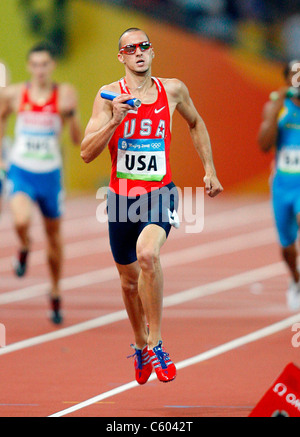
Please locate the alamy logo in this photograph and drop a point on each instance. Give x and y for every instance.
(296, 337)
(2, 335)
(296, 77)
(190, 210)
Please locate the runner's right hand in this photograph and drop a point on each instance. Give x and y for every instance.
(120, 109)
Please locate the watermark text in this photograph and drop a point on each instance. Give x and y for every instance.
(296, 337)
(2, 335)
(296, 77)
(167, 204)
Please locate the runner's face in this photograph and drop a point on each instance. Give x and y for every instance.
(40, 65)
(140, 61)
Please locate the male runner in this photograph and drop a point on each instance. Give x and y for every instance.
(280, 129)
(35, 172)
(139, 143)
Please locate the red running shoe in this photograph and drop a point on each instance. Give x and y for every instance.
(142, 364)
(165, 369)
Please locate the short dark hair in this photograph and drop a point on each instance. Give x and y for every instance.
(131, 29)
(44, 46)
(288, 67)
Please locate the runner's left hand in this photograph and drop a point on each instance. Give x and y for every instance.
(212, 185)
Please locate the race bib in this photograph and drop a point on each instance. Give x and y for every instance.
(141, 159)
(289, 161)
(38, 147)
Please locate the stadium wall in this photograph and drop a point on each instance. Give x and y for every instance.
(228, 87)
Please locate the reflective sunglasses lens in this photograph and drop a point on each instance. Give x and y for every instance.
(145, 46)
(129, 49)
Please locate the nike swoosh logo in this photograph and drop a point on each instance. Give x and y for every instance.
(158, 110)
(173, 218)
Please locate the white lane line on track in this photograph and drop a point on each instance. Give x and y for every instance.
(219, 286)
(72, 250)
(75, 210)
(235, 211)
(223, 348)
(70, 283)
(70, 228)
(171, 259)
(86, 225)
(81, 248)
(101, 244)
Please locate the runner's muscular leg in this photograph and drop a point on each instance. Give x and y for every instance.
(21, 207)
(150, 284)
(129, 275)
(290, 255)
(54, 252)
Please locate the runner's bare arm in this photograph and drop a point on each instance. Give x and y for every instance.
(68, 107)
(7, 96)
(268, 130)
(106, 117)
(199, 134)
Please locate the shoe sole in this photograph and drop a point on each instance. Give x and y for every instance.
(170, 380)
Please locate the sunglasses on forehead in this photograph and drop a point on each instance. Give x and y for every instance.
(130, 49)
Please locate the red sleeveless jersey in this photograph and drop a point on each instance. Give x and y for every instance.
(37, 134)
(140, 147)
(51, 105)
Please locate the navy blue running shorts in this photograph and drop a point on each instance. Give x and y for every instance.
(128, 216)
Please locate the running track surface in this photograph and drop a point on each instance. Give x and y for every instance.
(225, 320)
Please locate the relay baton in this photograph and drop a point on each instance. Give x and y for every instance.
(109, 95)
(291, 92)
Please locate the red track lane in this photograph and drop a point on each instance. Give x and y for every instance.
(50, 377)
